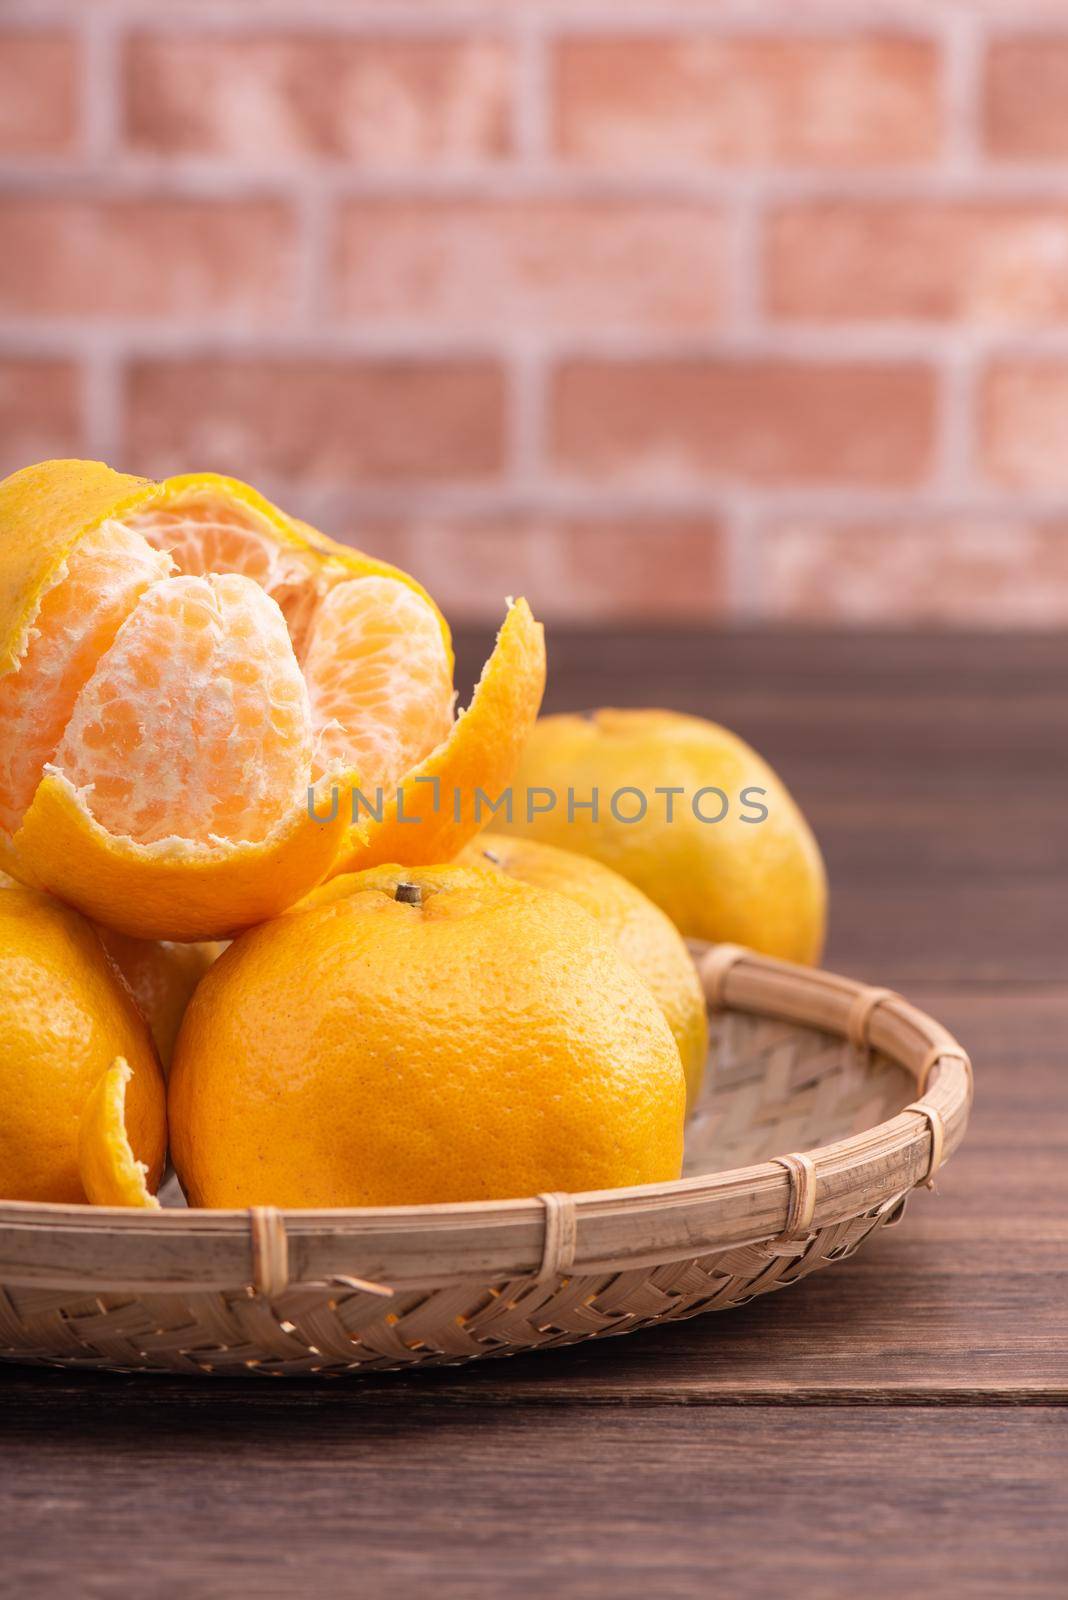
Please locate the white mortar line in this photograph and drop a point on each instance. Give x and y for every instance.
(958, 398)
(135, 175)
(962, 66)
(532, 96)
(746, 224)
(102, 400)
(316, 238)
(527, 415)
(99, 86)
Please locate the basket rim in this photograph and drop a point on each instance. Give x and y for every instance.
(105, 1249)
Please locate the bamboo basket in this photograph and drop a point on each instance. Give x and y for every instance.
(825, 1104)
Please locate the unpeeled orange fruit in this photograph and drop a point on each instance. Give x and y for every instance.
(65, 1016)
(641, 932)
(486, 1042)
(701, 850)
(161, 975)
(180, 662)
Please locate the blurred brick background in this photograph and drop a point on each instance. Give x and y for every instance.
(679, 309)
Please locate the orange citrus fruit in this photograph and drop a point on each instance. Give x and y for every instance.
(65, 1015)
(163, 977)
(465, 1037)
(641, 932)
(180, 663)
(700, 849)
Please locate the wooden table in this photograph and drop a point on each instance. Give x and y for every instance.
(890, 1424)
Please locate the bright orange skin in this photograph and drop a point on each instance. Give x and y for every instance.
(161, 976)
(64, 1017)
(489, 1043)
(640, 931)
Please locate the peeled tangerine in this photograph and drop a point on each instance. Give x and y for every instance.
(180, 663)
(413, 1036)
(65, 1018)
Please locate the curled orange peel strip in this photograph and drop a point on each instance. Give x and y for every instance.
(110, 1173)
(438, 808)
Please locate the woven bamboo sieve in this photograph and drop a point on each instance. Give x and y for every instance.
(825, 1104)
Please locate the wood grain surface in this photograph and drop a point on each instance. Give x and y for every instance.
(893, 1422)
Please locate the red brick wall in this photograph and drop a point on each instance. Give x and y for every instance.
(647, 308)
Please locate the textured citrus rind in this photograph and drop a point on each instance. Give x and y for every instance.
(178, 890)
(110, 1172)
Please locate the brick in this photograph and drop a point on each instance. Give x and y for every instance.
(1023, 423)
(372, 102)
(983, 263)
(1025, 98)
(38, 94)
(318, 420)
(638, 102)
(40, 412)
(556, 265)
(571, 568)
(137, 258)
(666, 423)
(956, 571)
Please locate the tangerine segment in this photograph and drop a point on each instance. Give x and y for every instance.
(211, 523)
(443, 802)
(177, 889)
(44, 510)
(195, 724)
(379, 679)
(204, 533)
(110, 1173)
(92, 593)
(358, 564)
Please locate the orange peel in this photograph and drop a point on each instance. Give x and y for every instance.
(438, 806)
(44, 511)
(111, 1174)
(174, 890)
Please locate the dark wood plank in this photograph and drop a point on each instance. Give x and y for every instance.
(331, 1491)
(883, 1425)
(977, 931)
